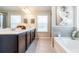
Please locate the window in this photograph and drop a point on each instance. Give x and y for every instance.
(15, 19)
(1, 21)
(42, 23)
(77, 18)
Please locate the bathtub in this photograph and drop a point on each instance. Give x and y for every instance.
(68, 44)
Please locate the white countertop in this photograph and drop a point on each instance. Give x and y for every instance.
(9, 31)
(69, 45)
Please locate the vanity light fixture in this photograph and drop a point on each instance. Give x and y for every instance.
(27, 10)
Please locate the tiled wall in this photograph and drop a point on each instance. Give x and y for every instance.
(63, 31)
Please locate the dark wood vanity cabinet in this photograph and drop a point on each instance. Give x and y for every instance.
(30, 36)
(12, 43)
(32, 33)
(28, 39)
(16, 43)
(21, 42)
(8, 44)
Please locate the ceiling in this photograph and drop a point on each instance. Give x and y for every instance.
(39, 8)
(10, 8)
(32, 8)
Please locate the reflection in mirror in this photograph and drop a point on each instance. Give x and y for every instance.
(1, 20)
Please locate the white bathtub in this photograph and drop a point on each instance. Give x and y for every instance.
(69, 45)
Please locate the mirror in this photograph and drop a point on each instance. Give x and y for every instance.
(32, 21)
(25, 20)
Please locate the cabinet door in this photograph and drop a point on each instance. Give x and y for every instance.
(8, 43)
(22, 43)
(32, 35)
(28, 39)
(58, 48)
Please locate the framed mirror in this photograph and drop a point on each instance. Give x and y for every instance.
(32, 21)
(25, 21)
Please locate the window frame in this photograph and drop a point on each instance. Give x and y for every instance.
(11, 19)
(47, 23)
(1, 25)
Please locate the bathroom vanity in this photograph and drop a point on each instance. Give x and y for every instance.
(16, 41)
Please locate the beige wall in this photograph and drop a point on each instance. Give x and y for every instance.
(45, 34)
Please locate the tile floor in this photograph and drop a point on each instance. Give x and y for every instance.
(41, 45)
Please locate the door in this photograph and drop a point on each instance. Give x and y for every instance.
(43, 25)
